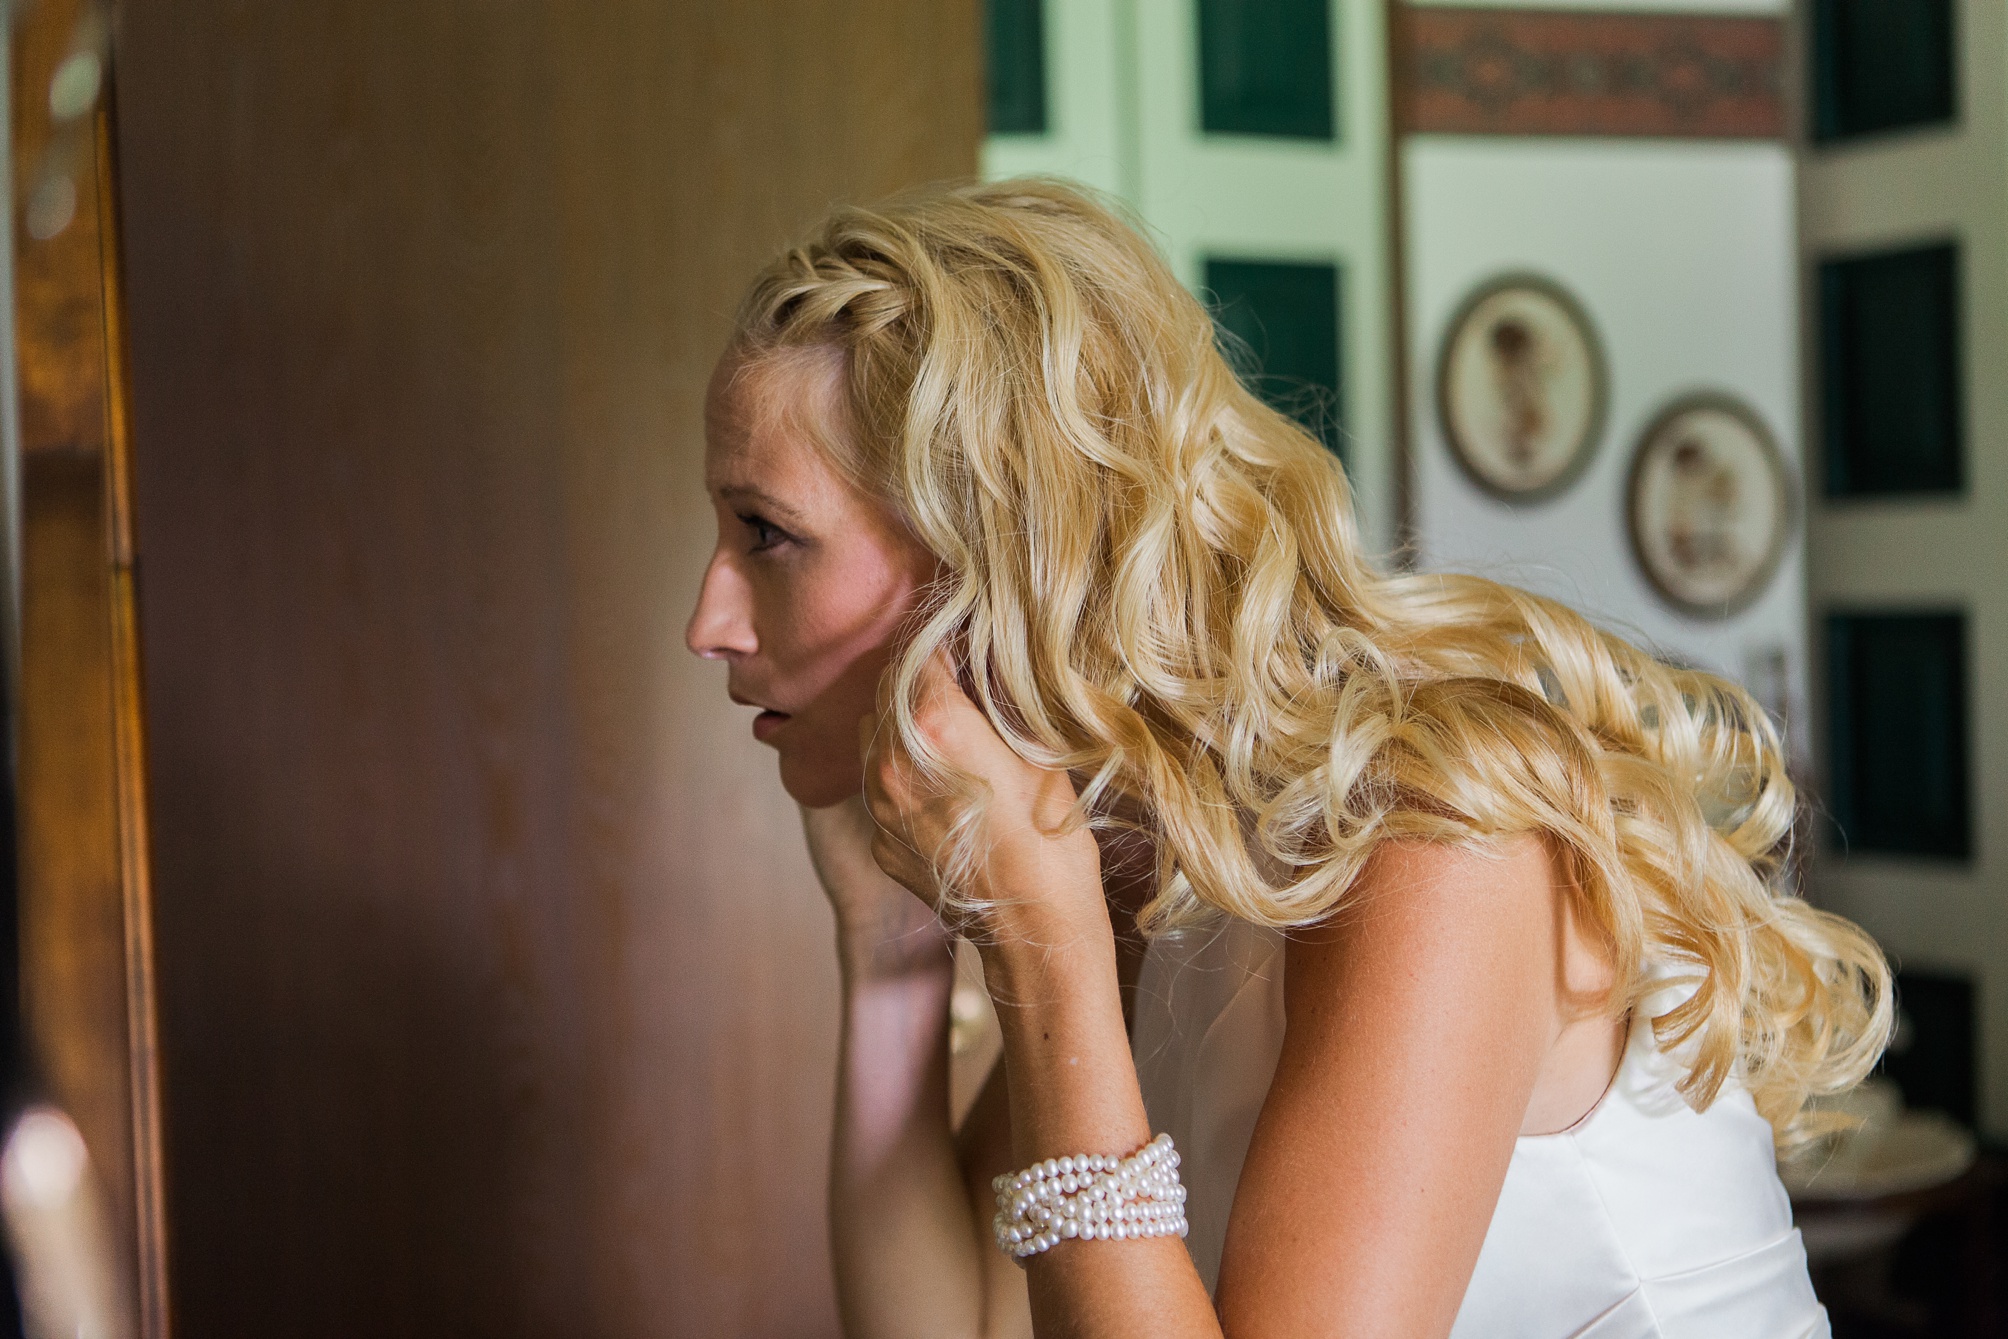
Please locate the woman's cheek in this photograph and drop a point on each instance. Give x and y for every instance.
(821, 762)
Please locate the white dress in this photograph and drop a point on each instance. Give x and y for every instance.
(1644, 1220)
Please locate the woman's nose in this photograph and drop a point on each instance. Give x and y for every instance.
(721, 627)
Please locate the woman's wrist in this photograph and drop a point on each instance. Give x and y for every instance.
(1059, 1006)
(1049, 950)
(1044, 896)
(1035, 954)
(891, 939)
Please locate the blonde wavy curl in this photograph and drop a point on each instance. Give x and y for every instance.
(1156, 581)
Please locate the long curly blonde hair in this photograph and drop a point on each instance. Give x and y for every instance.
(1154, 580)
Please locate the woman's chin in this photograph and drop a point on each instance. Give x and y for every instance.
(819, 787)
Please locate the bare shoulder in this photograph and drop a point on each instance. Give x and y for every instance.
(1446, 893)
(1446, 907)
(1524, 865)
(1453, 947)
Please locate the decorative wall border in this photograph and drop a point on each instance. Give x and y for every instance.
(1545, 72)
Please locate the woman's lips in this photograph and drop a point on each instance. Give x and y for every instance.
(767, 722)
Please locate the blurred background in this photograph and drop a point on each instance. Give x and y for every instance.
(411, 942)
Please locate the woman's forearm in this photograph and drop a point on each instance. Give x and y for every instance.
(1050, 957)
(1074, 1090)
(901, 1233)
(1066, 1047)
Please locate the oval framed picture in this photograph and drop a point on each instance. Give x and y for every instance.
(1521, 387)
(1709, 505)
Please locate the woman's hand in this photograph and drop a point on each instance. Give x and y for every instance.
(1037, 878)
(903, 1233)
(882, 929)
(1049, 954)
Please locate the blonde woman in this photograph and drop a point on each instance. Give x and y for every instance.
(1375, 954)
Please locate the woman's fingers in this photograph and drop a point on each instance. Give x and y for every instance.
(957, 727)
(891, 800)
(904, 865)
(916, 809)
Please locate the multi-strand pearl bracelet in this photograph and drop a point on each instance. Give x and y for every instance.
(1092, 1198)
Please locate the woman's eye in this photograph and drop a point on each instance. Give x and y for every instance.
(766, 534)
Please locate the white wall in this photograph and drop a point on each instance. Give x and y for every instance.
(1287, 200)
(1933, 184)
(1091, 111)
(1684, 254)
(1122, 78)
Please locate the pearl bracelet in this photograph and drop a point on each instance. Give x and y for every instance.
(1092, 1198)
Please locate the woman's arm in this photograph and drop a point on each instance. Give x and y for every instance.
(905, 1245)
(1074, 1090)
(1050, 959)
(1418, 1021)
(984, 1142)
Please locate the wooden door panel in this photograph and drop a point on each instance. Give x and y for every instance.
(496, 995)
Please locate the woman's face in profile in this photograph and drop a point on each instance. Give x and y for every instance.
(811, 577)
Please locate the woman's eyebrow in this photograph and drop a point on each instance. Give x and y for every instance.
(741, 493)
